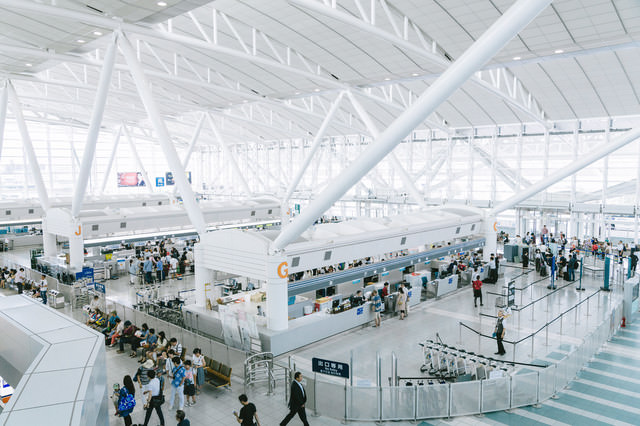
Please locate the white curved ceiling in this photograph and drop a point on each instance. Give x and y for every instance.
(271, 69)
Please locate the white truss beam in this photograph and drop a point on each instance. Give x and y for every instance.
(28, 148)
(94, 130)
(417, 196)
(568, 170)
(503, 30)
(4, 100)
(114, 150)
(428, 50)
(228, 154)
(188, 197)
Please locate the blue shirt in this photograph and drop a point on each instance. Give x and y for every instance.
(178, 375)
(377, 303)
(151, 340)
(148, 266)
(159, 264)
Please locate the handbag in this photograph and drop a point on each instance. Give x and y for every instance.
(126, 403)
(157, 400)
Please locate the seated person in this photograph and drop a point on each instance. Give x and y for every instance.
(358, 299)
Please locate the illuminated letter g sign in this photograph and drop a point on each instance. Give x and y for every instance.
(283, 271)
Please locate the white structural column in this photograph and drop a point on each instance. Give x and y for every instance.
(277, 311)
(228, 154)
(605, 168)
(114, 150)
(519, 160)
(503, 30)
(568, 170)
(192, 144)
(636, 224)
(494, 160)
(94, 129)
(28, 148)
(470, 171)
(317, 141)
(4, 98)
(188, 197)
(547, 142)
(136, 156)
(417, 196)
(491, 239)
(573, 224)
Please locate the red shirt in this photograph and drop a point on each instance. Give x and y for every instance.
(477, 284)
(384, 292)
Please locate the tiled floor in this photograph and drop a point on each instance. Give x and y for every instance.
(605, 392)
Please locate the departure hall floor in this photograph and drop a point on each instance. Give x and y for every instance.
(605, 392)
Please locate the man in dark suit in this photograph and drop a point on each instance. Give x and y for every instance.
(296, 401)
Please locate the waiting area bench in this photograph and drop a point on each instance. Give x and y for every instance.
(217, 374)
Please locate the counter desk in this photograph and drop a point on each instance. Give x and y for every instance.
(302, 331)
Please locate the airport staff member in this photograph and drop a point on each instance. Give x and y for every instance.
(297, 401)
(498, 333)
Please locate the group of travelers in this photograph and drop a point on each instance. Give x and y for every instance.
(160, 265)
(17, 277)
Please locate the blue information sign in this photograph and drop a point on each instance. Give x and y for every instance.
(330, 368)
(159, 181)
(100, 288)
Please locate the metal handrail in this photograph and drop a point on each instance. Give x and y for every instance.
(521, 308)
(547, 324)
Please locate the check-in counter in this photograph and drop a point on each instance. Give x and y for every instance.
(312, 328)
(441, 286)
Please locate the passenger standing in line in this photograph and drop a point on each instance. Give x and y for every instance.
(159, 270)
(401, 304)
(498, 333)
(525, 259)
(377, 307)
(296, 401)
(477, 292)
(133, 270)
(148, 269)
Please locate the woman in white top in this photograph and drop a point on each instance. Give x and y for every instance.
(198, 364)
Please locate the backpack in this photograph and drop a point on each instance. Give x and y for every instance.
(126, 403)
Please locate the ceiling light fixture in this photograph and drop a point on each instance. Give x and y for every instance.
(387, 78)
(29, 65)
(316, 90)
(162, 3)
(516, 58)
(97, 33)
(80, 41)
(415, 74)
(558, 51)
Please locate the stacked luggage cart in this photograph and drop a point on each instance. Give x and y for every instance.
(447, 363)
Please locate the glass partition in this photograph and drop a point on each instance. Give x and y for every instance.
(524, 389)
(547, 382)
(433, 401)
(465, 398)
(363, 403)
(330, 399)
(398, 403)
(495, 394)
